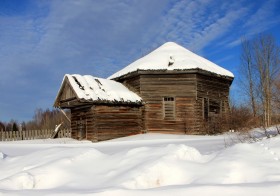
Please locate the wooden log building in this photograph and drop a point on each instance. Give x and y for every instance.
(170, 90)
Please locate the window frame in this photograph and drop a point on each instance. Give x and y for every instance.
(171, 102)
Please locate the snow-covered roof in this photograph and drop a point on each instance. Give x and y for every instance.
(92, 89)
(171, 56)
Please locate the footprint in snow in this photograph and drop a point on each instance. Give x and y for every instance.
(271, 152)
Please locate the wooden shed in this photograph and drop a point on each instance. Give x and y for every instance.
(101, 109)
(170, 90)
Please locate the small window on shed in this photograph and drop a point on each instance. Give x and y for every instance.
(169, 108)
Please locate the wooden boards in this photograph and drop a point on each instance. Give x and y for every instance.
(103, 122)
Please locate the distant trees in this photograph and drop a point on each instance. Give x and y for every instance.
(260, 68)
(47, 119)
(42, 119)
(12, 125)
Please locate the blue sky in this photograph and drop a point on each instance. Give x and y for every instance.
(42, 40)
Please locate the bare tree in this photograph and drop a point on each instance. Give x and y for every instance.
(260, 65)
(248, 74)
(47, 119)
(267, 63)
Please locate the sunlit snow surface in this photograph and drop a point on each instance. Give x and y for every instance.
(147, 164)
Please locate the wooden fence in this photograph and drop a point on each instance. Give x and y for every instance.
(32, 134)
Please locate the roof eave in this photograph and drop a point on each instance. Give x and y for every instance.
(102, 102)
(165, 71)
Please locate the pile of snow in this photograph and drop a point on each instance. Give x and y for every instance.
(171, 56)
(166, 168)
(142, 165)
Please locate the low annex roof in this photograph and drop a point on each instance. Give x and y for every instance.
(171, 56)
(92, 89)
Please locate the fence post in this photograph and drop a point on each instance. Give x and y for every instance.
(7, 136)
(16, 137)
(28, 134)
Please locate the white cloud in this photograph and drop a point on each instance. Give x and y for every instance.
(196, 24)
(264, 16)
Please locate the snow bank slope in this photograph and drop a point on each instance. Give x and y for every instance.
(244, 169)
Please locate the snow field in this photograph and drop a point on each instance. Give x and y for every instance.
(142, 165)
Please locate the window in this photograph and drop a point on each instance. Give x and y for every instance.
(214, 107)
(169, 108)
(210, 108)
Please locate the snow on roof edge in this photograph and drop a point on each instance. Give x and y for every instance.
(93, 89)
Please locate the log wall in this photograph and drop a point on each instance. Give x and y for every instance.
(104, 122)
(212, 87)
(132, 83)
(117, 121)
(82, 123)
(153, 90)
(195, 96)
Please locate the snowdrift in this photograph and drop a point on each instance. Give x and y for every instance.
(141, 165)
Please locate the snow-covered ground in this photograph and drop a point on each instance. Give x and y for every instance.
(147, 164)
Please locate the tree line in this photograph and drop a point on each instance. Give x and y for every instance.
(42, 119)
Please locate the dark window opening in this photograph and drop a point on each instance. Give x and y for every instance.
(214, 107)
(211, 108)
(168, 98)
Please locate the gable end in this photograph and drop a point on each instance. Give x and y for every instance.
(65, 94)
